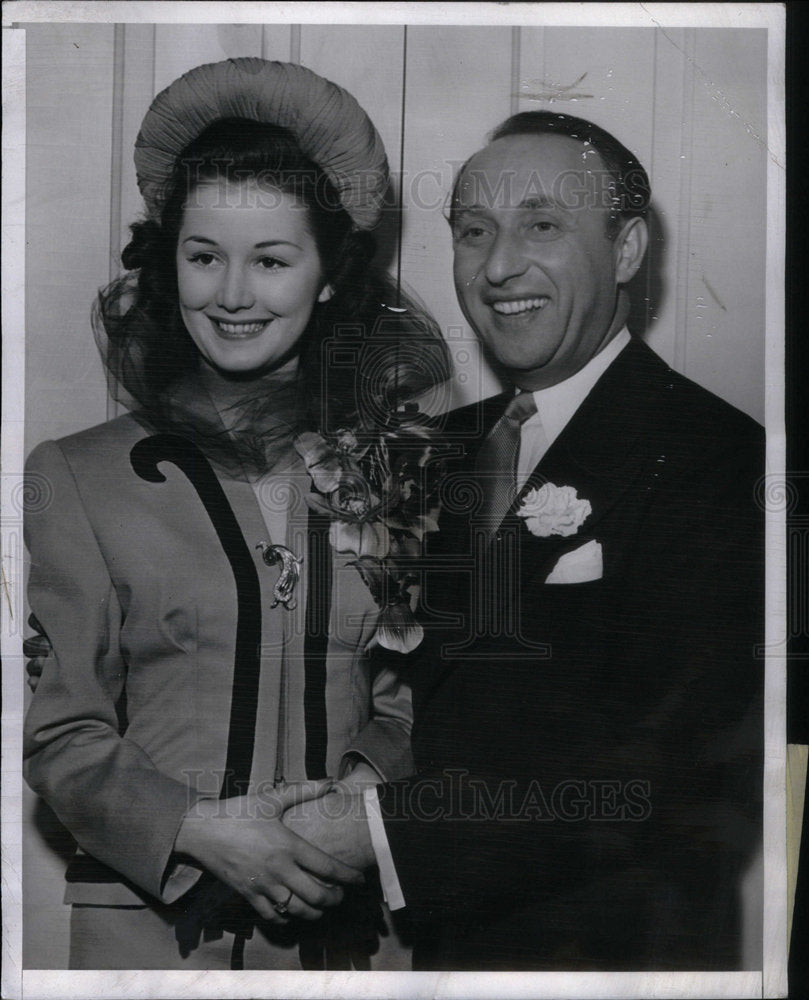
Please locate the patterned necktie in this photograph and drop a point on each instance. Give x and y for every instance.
(496, 463)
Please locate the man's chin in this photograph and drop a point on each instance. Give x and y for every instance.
(518, 369)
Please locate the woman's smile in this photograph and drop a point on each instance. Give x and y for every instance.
(237, 331)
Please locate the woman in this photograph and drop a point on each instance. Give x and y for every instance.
(211, 569)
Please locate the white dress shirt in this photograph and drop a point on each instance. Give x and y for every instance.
(555, 407)
(557, 404)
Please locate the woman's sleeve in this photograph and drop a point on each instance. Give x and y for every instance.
(384, 742)
(101, 785)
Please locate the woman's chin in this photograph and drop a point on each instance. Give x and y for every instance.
(236, 369)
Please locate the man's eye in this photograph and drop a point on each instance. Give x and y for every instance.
(471, 234)
(543, 229)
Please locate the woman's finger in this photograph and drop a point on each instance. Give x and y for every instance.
(288, 905)
(36, 645)
(265, 908)
(301, 911)
(311, 891)
(34, 668)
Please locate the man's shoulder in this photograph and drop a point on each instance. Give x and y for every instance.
(671, 402)
(472, 421)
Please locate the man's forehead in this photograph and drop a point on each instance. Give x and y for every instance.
(534, 171)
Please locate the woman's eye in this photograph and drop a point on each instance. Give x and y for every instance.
(204, 259)
(271, 263)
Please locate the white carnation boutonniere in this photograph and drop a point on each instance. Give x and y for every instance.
(379, 490)
(554, 510)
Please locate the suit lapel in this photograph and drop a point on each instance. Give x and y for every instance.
(603, 452)
(606, 452)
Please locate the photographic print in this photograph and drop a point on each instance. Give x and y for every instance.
(393, 500)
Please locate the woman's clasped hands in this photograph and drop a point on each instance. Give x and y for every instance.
(243, 842)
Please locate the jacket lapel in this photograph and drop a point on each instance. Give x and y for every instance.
(604, 452)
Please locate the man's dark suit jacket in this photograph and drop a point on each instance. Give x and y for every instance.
(590, 755)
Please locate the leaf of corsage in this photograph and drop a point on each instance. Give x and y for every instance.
(375, 577)
(321, 461)
(416, 524)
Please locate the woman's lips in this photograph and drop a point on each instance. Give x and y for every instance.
(236, 331)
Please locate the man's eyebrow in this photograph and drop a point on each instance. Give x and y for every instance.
(469, 209)
(532, 203)
(540, 201)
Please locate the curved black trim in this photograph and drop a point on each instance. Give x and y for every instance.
(145, 457)
(318, 612)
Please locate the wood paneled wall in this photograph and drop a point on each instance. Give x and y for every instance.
(690, 102)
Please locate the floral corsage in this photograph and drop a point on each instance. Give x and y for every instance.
(379, 488)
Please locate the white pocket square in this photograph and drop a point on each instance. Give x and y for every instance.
(579, 566)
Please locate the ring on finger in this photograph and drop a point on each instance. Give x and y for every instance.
(283, 908)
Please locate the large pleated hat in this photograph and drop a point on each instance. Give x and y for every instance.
(330, 126)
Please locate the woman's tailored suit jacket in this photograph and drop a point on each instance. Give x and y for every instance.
(173, 676)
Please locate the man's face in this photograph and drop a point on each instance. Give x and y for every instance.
(535, 272)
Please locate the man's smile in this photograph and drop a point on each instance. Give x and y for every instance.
(514, 307)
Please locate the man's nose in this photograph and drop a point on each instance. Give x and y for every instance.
(234, 290)
(506, 259)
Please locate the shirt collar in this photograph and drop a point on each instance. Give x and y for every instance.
(557, 404)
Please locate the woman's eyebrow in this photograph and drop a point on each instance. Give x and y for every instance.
(276, 243)
(257, 246)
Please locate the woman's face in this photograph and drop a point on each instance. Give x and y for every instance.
(248, 274)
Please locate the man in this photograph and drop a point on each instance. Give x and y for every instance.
(588, 723)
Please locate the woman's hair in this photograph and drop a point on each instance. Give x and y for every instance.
(358, 355)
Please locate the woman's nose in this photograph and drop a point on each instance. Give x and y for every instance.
(506, 259)
(234, 290)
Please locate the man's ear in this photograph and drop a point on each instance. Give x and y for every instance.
(325, 294)
(630, 247)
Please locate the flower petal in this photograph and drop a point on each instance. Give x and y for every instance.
(397, 629)
(368, 538)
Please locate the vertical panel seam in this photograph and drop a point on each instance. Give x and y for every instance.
(116, 166)
(514, 103)
(116, 146)
(400, 221)
(295, 43)
(652, 250)
(154, 60)
(684, 212)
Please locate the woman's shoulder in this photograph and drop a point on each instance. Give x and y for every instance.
(95, 446)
